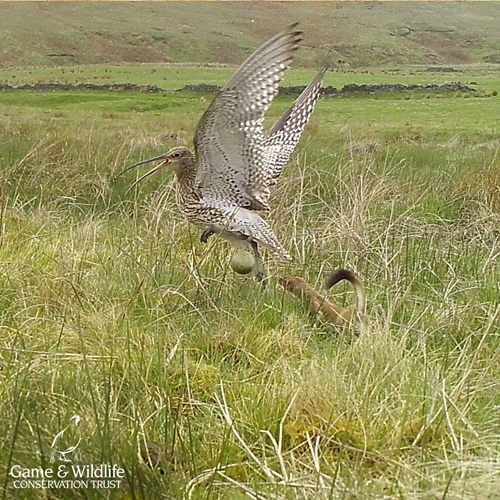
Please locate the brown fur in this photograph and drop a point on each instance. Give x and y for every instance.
(316, 303)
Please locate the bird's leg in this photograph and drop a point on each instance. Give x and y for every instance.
(259, 275)
(206, 234)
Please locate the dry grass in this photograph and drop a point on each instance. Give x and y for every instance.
(113, 310)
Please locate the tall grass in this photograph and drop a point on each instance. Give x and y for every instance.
(111, 309)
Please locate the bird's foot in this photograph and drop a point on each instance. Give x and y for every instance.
(259, 276)
(206, 234)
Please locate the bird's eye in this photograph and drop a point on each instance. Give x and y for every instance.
(175, 155)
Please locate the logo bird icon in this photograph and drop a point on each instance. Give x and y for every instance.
(59, 442)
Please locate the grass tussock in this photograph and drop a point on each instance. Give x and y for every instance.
(111, 309)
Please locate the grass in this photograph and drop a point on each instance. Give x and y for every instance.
(173, 77)
(362, 35)
(111, 308)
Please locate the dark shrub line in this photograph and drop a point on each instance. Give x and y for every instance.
(350, 88)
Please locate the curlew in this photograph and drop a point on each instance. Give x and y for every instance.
(229, 177)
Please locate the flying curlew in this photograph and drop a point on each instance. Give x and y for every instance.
(235, 164)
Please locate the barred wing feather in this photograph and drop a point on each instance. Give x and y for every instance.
(229, 140)
(281, 139)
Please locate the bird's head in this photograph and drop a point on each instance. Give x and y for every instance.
(176, 159)
(76, 419)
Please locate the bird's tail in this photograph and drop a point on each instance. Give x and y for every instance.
(268, 239)
(254, 227)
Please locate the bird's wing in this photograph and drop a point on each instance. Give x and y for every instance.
(229, 140)
(281, 139)
(58, 436)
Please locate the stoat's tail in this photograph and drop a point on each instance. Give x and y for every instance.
(357, 284)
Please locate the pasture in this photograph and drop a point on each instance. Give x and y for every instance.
(111, 308)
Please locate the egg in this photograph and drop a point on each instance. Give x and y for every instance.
(242, 262)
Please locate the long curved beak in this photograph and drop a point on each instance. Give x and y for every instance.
(163, 164)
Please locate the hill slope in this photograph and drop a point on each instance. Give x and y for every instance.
(361, 34)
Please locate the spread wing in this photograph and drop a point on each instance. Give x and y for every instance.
(229, 140)
(281, 139)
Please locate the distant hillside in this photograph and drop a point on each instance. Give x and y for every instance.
(360, 33)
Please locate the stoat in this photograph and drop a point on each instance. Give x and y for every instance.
(317, 303)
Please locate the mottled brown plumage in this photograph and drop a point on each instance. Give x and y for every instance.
(228, 178)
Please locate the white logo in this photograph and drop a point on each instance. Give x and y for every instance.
(61, 446)
(68, 474)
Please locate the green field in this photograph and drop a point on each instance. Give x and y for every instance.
(172, 77)
(112, 310)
